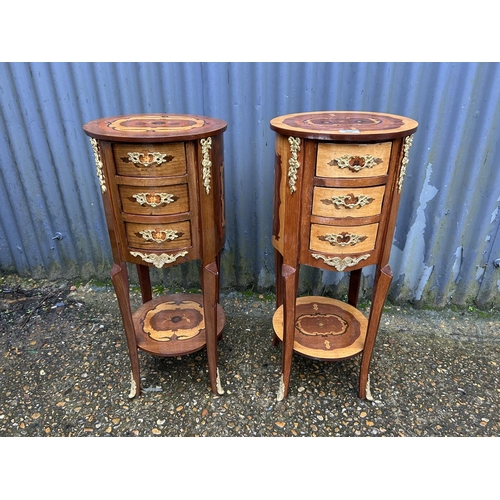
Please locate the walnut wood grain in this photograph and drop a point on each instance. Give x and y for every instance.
(159, 236)
(325, 328)
(154, 127)
(347, 202)
(345, 126)
(147, 200)
(173, 163)
(340, 240)
(280, 198)
(144, 282)
(173, 325)
(383, 280)
(356, 158)
(119, 277)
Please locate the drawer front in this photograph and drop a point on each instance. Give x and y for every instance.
(343, 239)
(352, 161)
(158, 236)
(347, 202)
(158, 200)
(150, 160)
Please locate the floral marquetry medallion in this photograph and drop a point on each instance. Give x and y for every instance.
(321, 324)
(326, 125)
(174, 320)
(155, 126)
(325, 328)
(178, 320)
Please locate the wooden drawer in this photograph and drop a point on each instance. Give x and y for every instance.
(352, 161)
(156, 236)
(343, 239)
(158, 200)
(347, 202)
(150, 160)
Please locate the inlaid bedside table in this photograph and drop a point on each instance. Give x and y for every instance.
(161, 178)
(338, 181)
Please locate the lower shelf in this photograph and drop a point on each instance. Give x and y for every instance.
(173, 325)
(325, 328)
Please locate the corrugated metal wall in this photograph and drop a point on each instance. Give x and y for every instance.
(447, 236)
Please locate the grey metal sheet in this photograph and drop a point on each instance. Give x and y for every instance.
(447, 234)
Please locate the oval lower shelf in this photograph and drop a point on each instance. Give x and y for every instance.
(173, 325)
(325, 328)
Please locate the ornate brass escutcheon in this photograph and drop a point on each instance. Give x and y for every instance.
(147, 158)
(159, 260)
(159, 235)
(343, 239)
(355, 163)
(341, 264)
(349, 201)
(153, 199)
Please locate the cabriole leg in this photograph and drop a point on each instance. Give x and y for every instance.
(290, 281)
(210, 289)
(119, 277)
(278, 263)
(381, 287)
(354, 283)
(144, 282)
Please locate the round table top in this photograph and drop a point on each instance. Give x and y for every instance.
(154, 127)
(344, 125)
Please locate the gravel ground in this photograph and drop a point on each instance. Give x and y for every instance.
(64, 371)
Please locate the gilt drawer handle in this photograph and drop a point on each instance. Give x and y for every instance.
(343, 239)
(159, 235)
(349, 201)
(341, 264)
(355, 163)
(154, 199)
(147, 158)
(159, 260)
